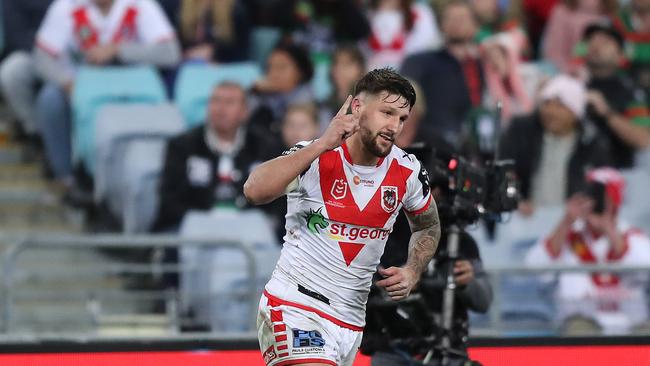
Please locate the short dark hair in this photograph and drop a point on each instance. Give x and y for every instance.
(300, 57)
(388, 80)
(353, 52)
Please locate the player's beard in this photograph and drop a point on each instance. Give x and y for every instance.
(371, 141)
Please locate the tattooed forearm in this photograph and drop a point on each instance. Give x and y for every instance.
(425, 228)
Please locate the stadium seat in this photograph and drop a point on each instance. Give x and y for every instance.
(196, 81)
(143, 164)
(321, 83)
(117, 125)
(2, 27)
(215, 284)
(635, 210)
(97, 86)
(263, 39)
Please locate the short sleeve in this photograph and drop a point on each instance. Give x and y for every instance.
(153, 25)
(297, 183)
(418, 195)
(54, 35)
(637, 109)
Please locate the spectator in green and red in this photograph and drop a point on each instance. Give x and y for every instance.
(617, 105)
(494, 19)
(633, 22)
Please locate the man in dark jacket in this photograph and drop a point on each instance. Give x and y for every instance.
(451, 78)
(208, 165)
(555, 146)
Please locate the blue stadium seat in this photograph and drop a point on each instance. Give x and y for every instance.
(196, 81)
(143, 164)
(117, 126)
(263, 39)
(94, 87)
(2, 27)
(635, 209)
(214, 279)
(321, 83)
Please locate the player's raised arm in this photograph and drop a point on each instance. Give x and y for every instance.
(269, 180)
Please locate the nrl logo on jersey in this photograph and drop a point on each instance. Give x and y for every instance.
(339, 189)
(316, 221)
(389, 198)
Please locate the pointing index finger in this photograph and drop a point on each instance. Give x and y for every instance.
(344, 109)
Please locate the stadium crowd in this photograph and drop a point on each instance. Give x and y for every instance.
(572, 78)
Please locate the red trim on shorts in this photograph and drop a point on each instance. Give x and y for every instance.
(281, 338)
(283, 354)
(305, 360)
(277, 328)
(423, 208)
(274, 301)
(282, 347)
(276, 316)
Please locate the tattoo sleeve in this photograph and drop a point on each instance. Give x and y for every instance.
(425, 234)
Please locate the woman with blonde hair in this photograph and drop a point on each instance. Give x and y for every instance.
(215, 30)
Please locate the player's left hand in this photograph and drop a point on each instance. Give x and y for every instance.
(398, 281)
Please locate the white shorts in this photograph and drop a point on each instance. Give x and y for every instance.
(289, 335)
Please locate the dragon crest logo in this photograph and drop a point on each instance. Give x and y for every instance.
(316, 221)
(389, 198)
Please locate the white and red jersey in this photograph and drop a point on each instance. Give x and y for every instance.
(78, 25)
(617, 296)
(338, 219)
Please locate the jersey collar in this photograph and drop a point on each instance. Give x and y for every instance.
(346, 155)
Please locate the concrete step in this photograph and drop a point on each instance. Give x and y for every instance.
(28, 191)
(17, 217)
(20, 171)
(21, 213)
(11, 153)
(77, 311)
(52, 316)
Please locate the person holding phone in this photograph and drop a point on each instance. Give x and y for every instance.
(591, 233)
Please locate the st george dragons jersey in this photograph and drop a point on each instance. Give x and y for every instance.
(339, 216)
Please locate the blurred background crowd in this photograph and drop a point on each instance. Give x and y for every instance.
(130, 116)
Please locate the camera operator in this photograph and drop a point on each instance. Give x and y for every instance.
(473, 293)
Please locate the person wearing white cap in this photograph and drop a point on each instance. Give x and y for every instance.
(554, 146)
(589, 233)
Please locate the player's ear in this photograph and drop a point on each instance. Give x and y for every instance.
(356, 105)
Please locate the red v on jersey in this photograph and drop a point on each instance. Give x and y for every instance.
(350, 251)
(340, 204)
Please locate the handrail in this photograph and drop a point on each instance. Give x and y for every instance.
(534, 269)
(115, 242)
(20, 244)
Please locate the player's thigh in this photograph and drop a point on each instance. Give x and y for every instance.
(350, 348)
